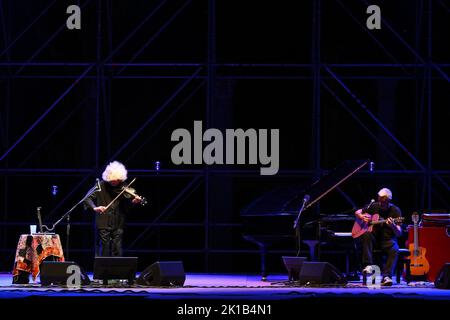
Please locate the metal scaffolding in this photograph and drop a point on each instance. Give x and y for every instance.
(329, 80)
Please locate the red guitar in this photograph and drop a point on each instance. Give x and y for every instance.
(360, 227)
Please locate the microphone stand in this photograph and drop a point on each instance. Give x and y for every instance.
(297, 224)
(67, 236)
(67, 216)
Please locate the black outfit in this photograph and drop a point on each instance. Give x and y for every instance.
(382, 237)
(110, 224)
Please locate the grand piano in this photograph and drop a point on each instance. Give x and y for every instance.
(270, 218)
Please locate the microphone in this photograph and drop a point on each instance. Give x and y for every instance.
(306, 198)
(98, 185)
(370, 204)
(305, 201)
(39, 219)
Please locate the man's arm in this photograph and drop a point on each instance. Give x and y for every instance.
(397, 228)
(362, 216)
(89, 203)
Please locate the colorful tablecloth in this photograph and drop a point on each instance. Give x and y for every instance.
(33, 249)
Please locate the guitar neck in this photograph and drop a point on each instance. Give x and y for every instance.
(416, 237)
(377, 222)
(381, 221)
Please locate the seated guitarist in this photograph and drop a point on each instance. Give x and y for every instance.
(383, 236)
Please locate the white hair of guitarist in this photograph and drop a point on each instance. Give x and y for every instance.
(115, 171)
(385, 192)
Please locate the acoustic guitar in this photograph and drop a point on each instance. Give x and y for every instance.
(419, 263)
(360, 227)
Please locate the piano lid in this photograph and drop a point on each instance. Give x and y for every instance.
(288, 200)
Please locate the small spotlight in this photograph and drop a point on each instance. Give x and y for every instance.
(54, 190)
(157, 165)
(372, 166)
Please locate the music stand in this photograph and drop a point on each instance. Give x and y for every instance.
(294, 266)
(115, 268)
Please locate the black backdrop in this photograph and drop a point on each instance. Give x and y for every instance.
(72, 100)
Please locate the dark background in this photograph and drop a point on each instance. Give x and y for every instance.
(73, 100)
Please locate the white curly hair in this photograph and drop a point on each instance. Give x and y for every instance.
(385, 192)
(115, 171)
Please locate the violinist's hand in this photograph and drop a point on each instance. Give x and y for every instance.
(100, 209)
(389, 221)
(136, 200)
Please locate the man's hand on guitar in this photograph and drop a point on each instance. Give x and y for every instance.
(393, 223)
(365, 217)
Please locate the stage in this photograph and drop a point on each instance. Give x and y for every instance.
(231, 139)
(228, 295)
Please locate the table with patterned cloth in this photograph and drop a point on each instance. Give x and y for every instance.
(32, 250)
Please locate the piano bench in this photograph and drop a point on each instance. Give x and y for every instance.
(403, 264)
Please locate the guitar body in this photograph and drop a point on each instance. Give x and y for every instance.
(360, 227)
(419, 264)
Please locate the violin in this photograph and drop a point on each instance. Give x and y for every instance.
(129, 192)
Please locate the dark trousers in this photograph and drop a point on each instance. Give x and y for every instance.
(389, 248)
(111, 242)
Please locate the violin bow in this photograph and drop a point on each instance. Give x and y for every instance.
(107, 207)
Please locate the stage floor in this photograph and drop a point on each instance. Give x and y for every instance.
(220, 286)
(218, 296)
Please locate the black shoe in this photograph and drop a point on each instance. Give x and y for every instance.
(387, 282)
(369, 270)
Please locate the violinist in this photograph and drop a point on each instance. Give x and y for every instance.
(111, 208)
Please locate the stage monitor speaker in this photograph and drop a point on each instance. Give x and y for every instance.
(320, 273)
(57, 273)
(443, 278)
(115, 268)
(294, 266)
(163, 274)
